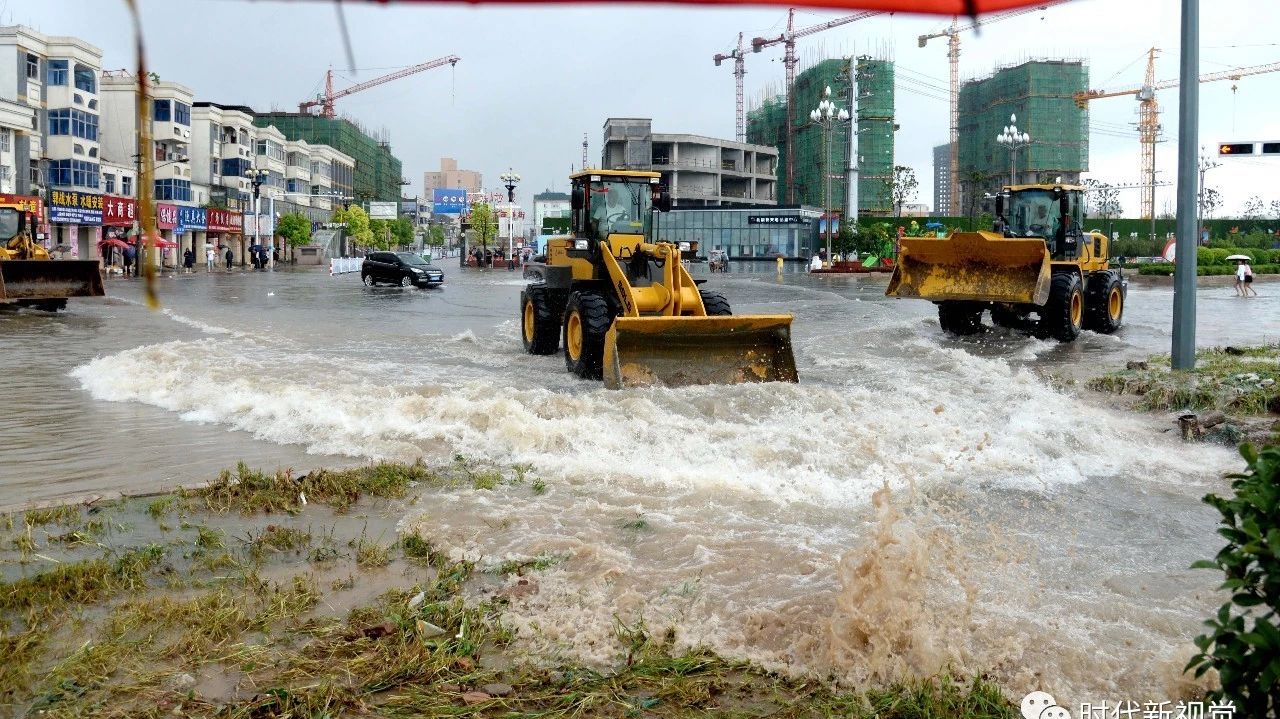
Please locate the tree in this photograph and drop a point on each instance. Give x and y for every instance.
(1103, 199)
(902, 187)
(484, 223)
(435, 236)
(1253, 209)
(1275, 209)
(357, 222)
(402, 231)
(1210, 201)
(295, 229)
(974, 182)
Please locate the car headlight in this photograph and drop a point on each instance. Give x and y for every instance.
(581, 244)
(684, 246)
(415, 269)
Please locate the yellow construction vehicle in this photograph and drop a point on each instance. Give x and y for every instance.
(1037, 260)
(28, 277)
(625, 308)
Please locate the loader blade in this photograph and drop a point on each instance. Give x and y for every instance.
(978, 266)
(681, 351)
(49, 279)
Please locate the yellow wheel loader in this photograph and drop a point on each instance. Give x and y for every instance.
(625, 309)
(1037, 261)
(29, 278)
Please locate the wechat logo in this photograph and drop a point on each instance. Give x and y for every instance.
(1039, 705)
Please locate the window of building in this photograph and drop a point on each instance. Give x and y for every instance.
(78, 123)
(126, 186)
(33, 171)
(75, 173)
(108, 183)
(93, 152)
(179, 190)
(5, 176)
(182, 113)
(6, 139)
(77, 149)
(161, 111)
(261, 147)
(244, 137)
(86, 78)
(57, 71)
(160, 152)
(93, 104)
(33, 67)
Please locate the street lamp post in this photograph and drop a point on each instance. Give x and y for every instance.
(256, 178)
(509, 181)
(826, 115)
(1013, 139)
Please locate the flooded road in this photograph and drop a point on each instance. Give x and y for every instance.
(917, 501)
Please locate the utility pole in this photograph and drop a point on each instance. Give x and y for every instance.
(1184, 278)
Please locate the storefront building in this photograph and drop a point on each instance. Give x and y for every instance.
(119, 225)
(223, 231)
(759, 232)
(75, 220)
(191, 232)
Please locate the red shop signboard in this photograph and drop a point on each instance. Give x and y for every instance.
(119, 211)
(166, 216)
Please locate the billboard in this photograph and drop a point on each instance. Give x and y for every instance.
(448, 202)
(383, 210)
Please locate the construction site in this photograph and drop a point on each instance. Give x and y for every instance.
(1039, 95)
(378, 173)
(870, 82)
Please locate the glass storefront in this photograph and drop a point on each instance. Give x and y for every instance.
(744, 232)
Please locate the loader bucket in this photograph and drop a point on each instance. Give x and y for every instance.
(978, 266)
(681, 351)
(49, 279)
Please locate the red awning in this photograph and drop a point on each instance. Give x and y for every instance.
(113, 242)
(163, 243)
(932, 7)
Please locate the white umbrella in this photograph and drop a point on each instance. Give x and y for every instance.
(1246, 258)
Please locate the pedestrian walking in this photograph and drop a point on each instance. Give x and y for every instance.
(209, 258)
(129, 255)
(1248, 279)
(230, 256)
(1240, 273)
(188, 260)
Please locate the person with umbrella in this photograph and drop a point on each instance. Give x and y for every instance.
(1243, 274)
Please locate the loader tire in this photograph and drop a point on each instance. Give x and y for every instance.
(960, 318)
(587, 318)
(715, 303)
(539, 322)
(1063, 316)
(1004, 317)
(1104, 311)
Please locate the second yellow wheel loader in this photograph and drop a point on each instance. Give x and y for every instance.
(28, 276)
(1037, 261)
(626, 310)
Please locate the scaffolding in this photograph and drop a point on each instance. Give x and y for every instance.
(1040, 93)
(378, 173)
(766, 125)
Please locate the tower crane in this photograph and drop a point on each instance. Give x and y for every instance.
(952, 34)
(1149, 114)
(788, 42)
(325, 101)
(738, 55)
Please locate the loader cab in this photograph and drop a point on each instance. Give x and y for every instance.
(1052, 212)
(612, 204)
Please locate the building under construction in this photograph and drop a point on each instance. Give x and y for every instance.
(767, 125)
(1040, 93)
(378, 173)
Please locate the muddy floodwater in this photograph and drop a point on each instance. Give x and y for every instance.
(915, 502)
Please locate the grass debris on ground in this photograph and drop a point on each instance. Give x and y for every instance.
(270, 595)
(1238, 381)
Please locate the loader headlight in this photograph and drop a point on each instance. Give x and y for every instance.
(580, 245)
(684, 246)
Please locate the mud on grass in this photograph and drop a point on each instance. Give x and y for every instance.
(242, 600)
(1238, 381)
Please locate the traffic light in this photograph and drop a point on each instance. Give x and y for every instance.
(1271, 148)
(1235, 148)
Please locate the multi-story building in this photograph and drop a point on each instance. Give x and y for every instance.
(297, 172)
(549, 205)
(377, 173)
(942, 180)
(698, 171)
(331, 174)
(17, 127)
(170, 151)
(450, 178)
(1041, 94)
(270, 155)
(59, 159)
(222, 150)
(873, 82)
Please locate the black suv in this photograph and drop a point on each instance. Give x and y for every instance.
(399, 268)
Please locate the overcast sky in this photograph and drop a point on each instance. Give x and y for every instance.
(533, 80)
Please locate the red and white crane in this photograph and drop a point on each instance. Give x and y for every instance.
(789, 60)
(325, 101)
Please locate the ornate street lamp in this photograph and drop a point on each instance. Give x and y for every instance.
(1013, 139)
(826, 115)
(509, 181)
